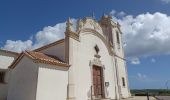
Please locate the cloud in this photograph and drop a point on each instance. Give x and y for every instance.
(121, 14)
(153, 60)
(48, 35)
(141, 76)
(166, 1)
(146, 34)
(113, 12)
(116, 14)
(18, 45)
(135, 61)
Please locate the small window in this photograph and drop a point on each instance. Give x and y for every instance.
(2, 77)
(97, 49)
(123, 81)
(117, 36)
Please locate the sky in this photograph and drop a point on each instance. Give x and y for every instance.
(29, 24)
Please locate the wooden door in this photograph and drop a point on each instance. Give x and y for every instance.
(98, 82)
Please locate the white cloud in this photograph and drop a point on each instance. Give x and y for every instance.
(18, 45)
(121, 14)
(141, 76)
(135, 61)
(117, 14)
(166, 1)
(144, 78)
(113, 12)
(146, 34)
(47, 35)
(153, 60)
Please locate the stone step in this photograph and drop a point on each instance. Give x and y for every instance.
(102, 99)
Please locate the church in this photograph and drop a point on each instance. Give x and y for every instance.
(87, 64)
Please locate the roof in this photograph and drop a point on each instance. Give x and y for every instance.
(50, 45)
(11, 52)
(38, 57)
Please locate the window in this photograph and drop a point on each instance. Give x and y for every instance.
(2, 77)
(123, 81)
(96, 49)
(117, 36)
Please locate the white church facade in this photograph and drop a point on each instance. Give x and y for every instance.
(88, 64)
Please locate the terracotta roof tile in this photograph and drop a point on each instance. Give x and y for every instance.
(38, 57)
(44, 58)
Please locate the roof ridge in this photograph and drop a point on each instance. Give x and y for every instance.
(7, 51)
(29, 55)
(49, 45)
(39, 57)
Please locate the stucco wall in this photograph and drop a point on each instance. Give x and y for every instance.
(6, 58)
(121, 64)
(52, 83)
(3, 91)
(122, 74)
(23, 81)
(5, 61)
(83, 54)
(4, 86)
(57, 50)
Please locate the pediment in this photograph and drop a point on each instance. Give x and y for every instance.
(89, 23)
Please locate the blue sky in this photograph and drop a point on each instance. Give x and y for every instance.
(26, 24)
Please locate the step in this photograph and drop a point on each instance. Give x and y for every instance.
(102, 99)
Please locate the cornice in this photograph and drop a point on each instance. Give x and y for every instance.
(72, 35)
(94, 32)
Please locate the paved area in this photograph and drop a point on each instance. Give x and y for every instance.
(140, 98)
(164, 97)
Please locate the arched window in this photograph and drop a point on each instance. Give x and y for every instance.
(96, 49)
(123, 81)
(117, 36)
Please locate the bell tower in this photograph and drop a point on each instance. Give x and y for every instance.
(113, 35)
(105, 23)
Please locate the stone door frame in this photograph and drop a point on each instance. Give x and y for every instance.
(97, 62)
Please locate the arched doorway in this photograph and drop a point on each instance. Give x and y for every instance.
(98, 82)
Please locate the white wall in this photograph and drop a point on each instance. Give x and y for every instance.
(6, 58)
(52, 83)
(83, 54)
(57, 50)
(122, 73)
(23, 81)
(121, 64)
(5, 61)
(4, 86)
(3, 91)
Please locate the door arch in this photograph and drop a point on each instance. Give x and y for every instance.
(98, 82)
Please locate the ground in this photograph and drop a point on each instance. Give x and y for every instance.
(150, 98)
(140, 98)
(164, 97)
